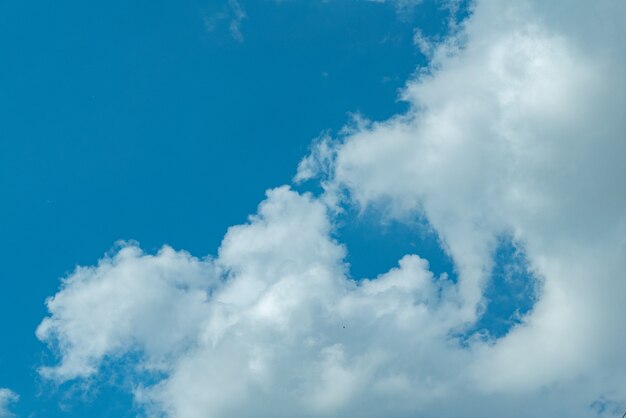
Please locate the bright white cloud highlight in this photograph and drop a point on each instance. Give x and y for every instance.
(521, 133)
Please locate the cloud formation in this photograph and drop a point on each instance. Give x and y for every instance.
(7, 397)
(234, 13)
(517, 134)
(515, 129)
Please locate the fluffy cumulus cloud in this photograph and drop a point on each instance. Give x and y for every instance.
(271, 327)
(516, 129)
(7, 397)
(521, 133)
(130, 302)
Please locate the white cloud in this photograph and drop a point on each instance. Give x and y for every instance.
(7, 397)
(402, 5)
(234, 13)
(520, 132)
(129, 302)
(425, 45)
(238, 15)
(272, 326)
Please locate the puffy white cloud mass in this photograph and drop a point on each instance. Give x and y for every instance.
(517, 128)
(7, 397)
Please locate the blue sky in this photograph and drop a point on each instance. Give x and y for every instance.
(136, 122)
(165, 123)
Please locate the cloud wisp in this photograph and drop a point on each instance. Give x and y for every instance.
(7, 397)
(234, 14)
(516, 129)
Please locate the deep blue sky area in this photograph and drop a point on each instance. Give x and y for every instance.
(139, 120)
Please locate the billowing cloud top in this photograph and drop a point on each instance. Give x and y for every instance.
(517, 129)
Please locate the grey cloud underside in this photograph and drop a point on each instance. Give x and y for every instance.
(519, 132)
